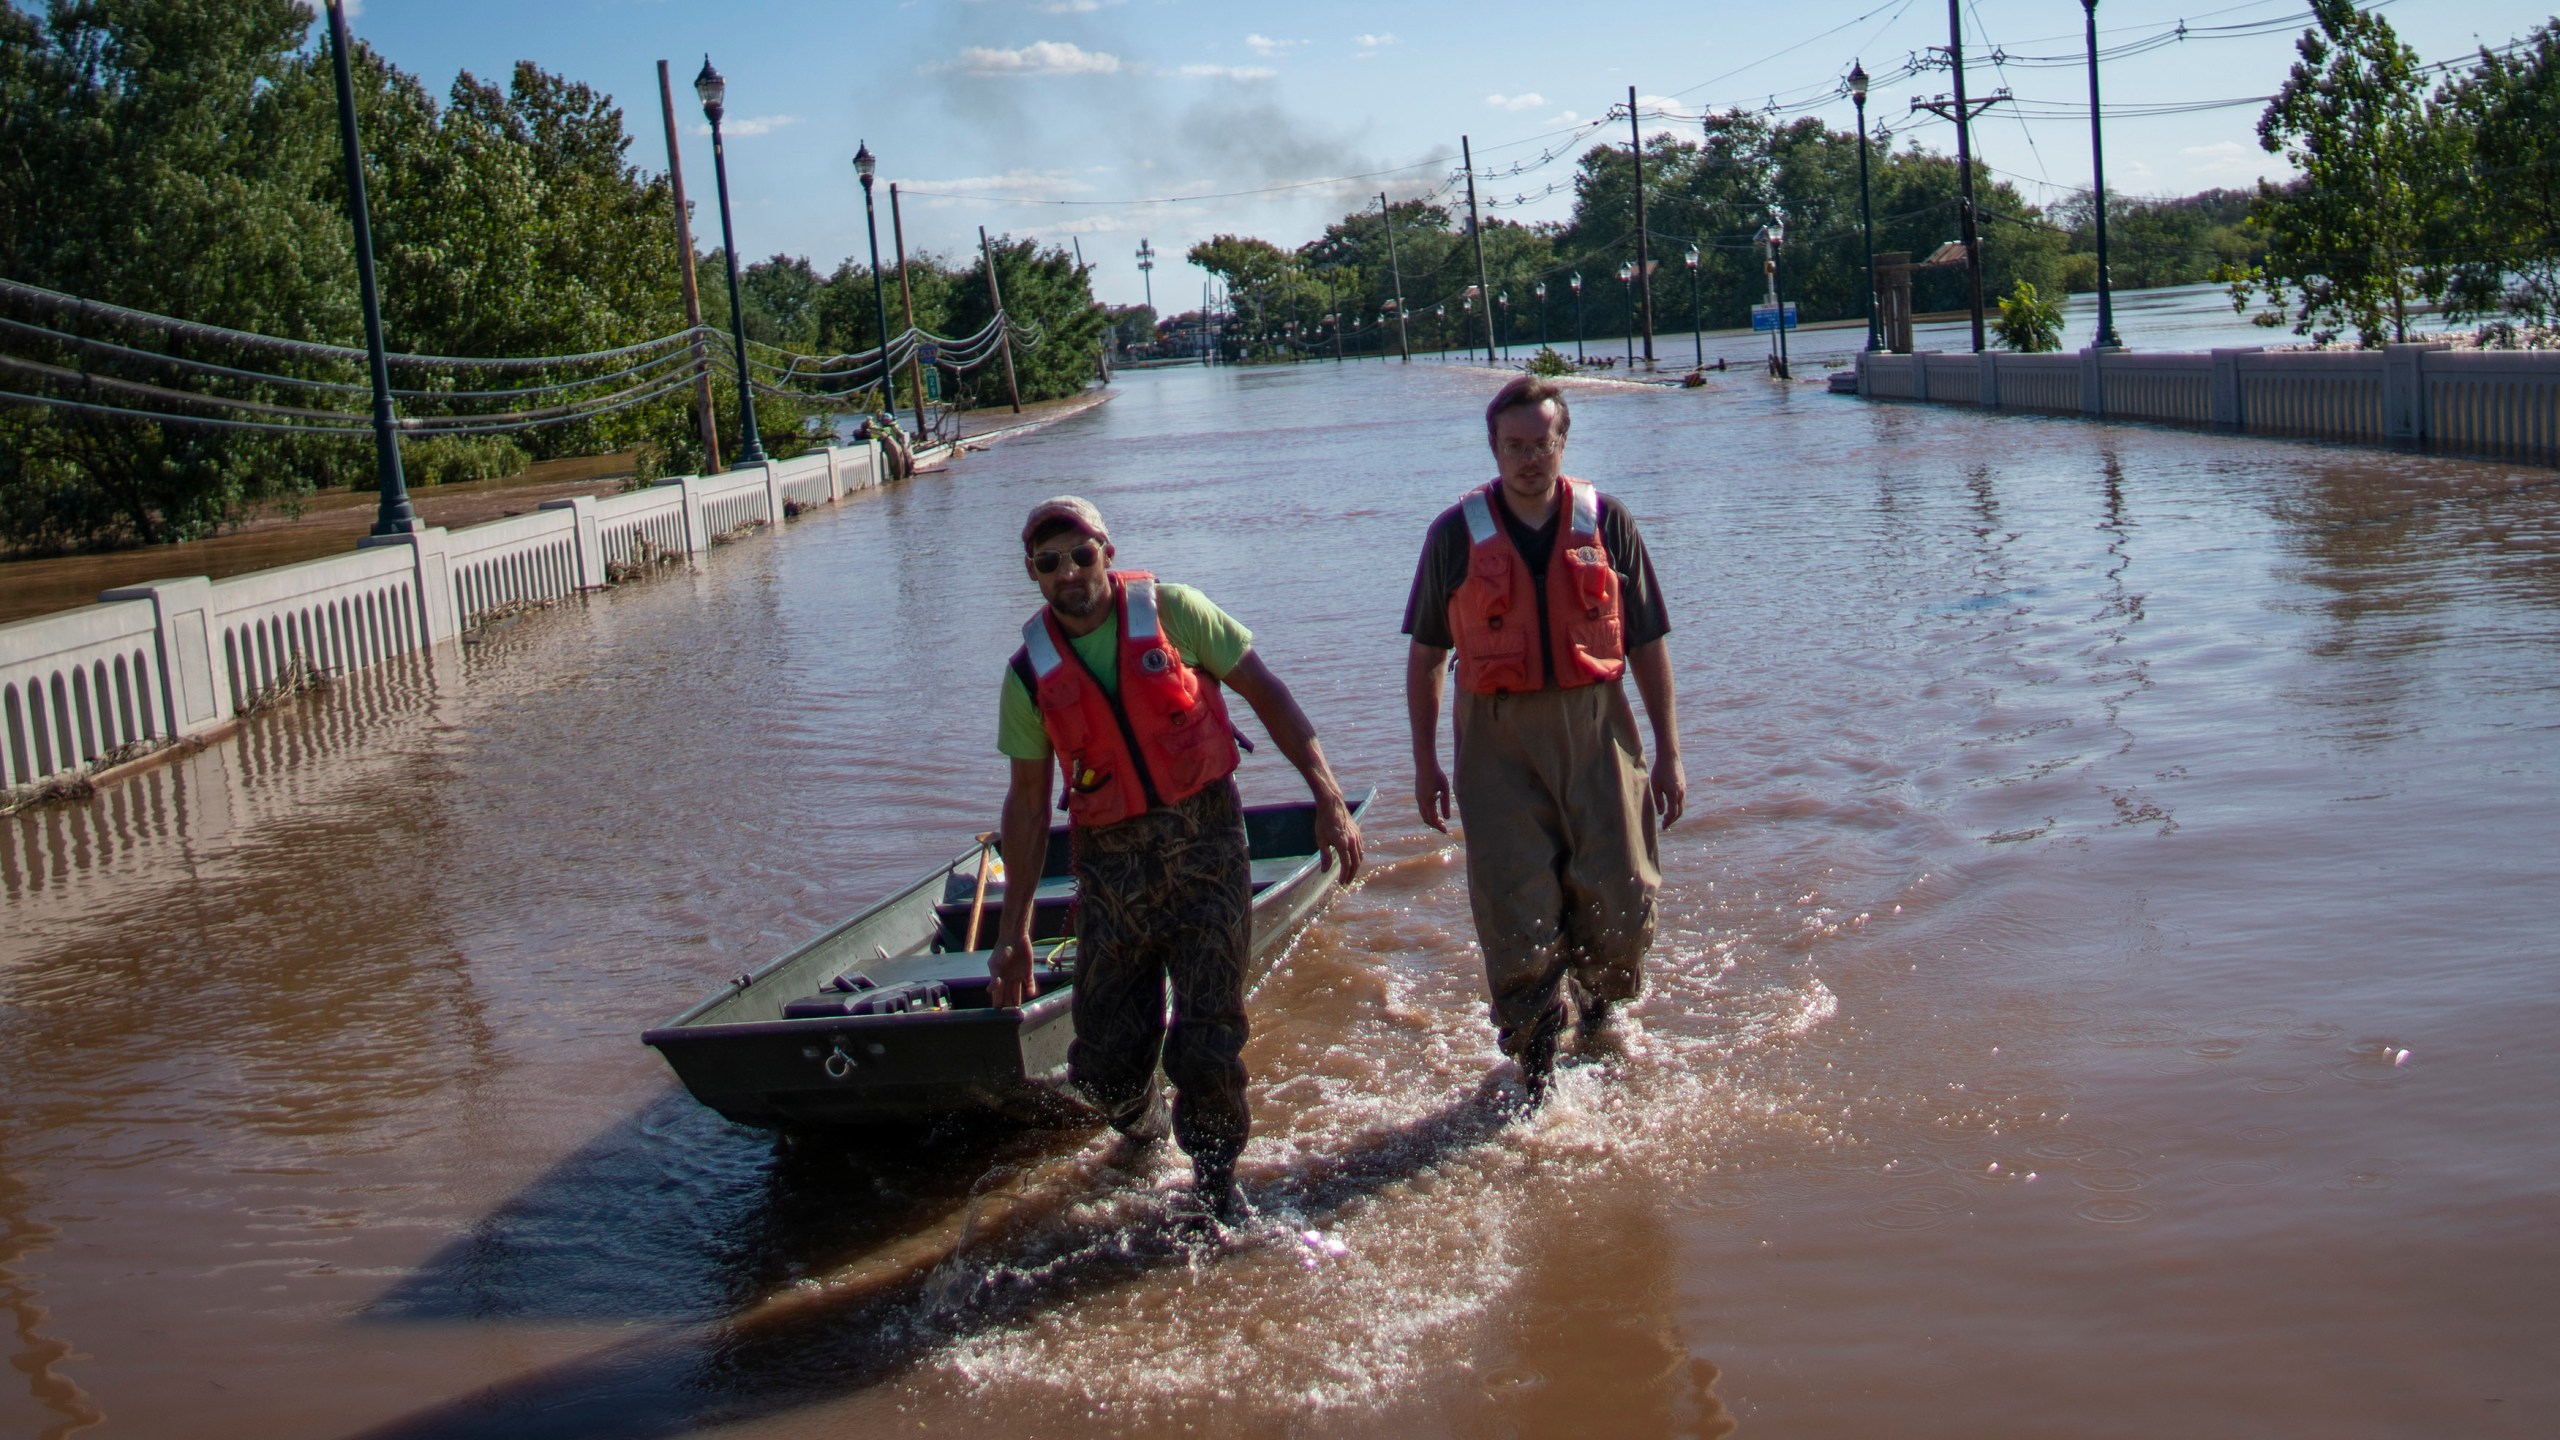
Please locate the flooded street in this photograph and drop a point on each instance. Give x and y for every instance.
(2102, 988)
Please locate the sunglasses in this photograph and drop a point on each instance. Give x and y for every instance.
(1085, 556)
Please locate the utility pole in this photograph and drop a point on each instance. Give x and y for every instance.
(1644, 264)
(1004, 330)
(907, 296)
(1962, 112)
(1102, 347)
(1475, 223)
(692, 294)
(1404, 342)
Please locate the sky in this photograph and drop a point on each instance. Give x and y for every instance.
(1105, 122)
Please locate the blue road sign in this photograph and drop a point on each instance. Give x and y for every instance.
(1765, 317)
(929, 353)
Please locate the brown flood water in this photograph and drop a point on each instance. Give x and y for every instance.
(2084, 821)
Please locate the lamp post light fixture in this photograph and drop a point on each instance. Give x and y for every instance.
(1541, 293)
(1627, 281)
(2107, 337)
(1504, 300)
(712, 90)
(1697, 312)
(1577, 317)
(1866, 210)
(864, 164)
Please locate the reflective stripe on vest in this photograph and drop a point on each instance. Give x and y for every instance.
(1142, 622)
(1045, 658)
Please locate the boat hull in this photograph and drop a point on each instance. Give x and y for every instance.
(737, 1054)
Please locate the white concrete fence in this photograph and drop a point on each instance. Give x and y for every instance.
(85, 689)
(2501, 403)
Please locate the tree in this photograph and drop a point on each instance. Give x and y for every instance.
(2345, 242)
(2504, 228)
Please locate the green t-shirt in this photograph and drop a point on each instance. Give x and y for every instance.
(1202, 634)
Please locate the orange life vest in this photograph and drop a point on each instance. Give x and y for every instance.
(1494, 615)
(1164, 738)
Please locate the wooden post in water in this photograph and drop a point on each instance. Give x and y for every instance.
(692, 295)
(1004, 330)
(907, 296)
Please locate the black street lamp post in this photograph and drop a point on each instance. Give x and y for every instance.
(1504, 300)
(1866, 211)
(2107, 337)
(1577, 318)
(863, 165)
(712, 89)
(1697, 310)
(1774, 235)
(395, 516)
(1542, 314)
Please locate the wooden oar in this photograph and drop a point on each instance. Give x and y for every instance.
(978, 905)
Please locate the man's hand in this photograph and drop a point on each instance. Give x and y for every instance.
(1010, 968)
(1669, 789)
(1431, 793)
(1338, 835)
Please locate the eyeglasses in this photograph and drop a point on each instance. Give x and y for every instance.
(1085, 556)
(1533, 449)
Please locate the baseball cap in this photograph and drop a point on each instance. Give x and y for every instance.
(1072, 509)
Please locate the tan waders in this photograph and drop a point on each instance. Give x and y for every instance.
(1561, 864)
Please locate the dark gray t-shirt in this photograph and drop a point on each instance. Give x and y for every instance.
(1443, 568)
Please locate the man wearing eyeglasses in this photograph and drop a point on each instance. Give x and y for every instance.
(1117, 684)
(1543, 588)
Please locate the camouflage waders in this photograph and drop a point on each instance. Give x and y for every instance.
(1166, 896)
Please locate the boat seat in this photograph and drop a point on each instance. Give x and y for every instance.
(1048, 919)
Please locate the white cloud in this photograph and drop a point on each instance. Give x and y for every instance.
(751, 125)
(2227, 157)
(1027, 184)
(1071, 7)
(1040, 57)
(1266, 47)
(1565, 117)
(1374, 42)
(1530, 101)
(1228, 72)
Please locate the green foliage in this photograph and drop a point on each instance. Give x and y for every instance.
(1047, 295)
(2028, 322)
(1548, 362)
(2159, 242)
(2344, 243)
(2506, 218)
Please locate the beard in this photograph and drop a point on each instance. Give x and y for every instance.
(1080, 601)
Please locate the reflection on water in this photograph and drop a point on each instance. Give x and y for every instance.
(2111, 898)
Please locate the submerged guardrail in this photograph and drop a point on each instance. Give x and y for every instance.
(84, 690)
(2503, 404)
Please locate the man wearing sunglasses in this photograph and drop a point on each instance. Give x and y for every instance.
(1543, 588)
(1117, 684)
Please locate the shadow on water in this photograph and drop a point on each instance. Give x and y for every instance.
(1036, 1231)
(676, 1215)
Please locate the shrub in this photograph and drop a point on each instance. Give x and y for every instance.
(1548, 362)
(2029, 322)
